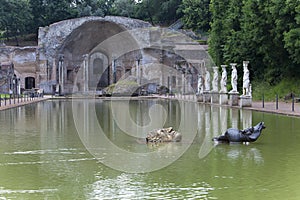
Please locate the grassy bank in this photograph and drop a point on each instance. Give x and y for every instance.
(2, 96)
(284, 88)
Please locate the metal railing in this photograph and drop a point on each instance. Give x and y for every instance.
(17, 99)
(278, 104)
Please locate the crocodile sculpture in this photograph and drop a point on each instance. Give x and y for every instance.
(247, 135)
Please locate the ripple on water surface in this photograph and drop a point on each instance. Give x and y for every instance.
(133, 186)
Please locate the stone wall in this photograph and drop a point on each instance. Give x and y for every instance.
(74, 39)
(52, 37)
(24, 60)
(67, 52)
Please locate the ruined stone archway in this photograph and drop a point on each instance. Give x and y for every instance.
(79, 49)
(68, 43)
(66, 47)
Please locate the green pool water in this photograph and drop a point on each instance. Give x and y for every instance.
(95, 149)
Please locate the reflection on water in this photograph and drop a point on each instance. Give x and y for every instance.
(130, 186)
(131, 121)
(234, 153)
(216, 121)
(43, 153)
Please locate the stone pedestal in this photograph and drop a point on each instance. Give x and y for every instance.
(206, 97)
(245, 101)
(223, 99)
(234, 99)
(214, 97)
(200, 98)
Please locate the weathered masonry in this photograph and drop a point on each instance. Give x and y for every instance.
(86, 54)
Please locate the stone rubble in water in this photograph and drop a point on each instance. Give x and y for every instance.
(163, 135)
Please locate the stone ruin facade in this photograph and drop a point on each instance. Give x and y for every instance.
(87, 54)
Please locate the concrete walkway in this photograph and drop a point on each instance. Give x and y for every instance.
(284, 108)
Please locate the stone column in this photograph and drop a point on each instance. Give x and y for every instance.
(170, 78)
(246, 98)
(188, 79)
(54, 71)
(141, 74)
(234, 94)
(183, 83)
(177, 81)
(200, 88)
(85, 74)
(215, 84)
(161, 66)
(223, 85)
(114, 70)
(61, 74)
(234, 78)
(188, 84)
(246, 80)
(207, 81)
(18, 86)
(137, 70)
(206, 93)
(223, 82)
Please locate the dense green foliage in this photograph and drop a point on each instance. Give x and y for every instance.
(267, 33)
(196, 14)
(282, 89)
(19, 17)
(161, 12)
(14, 17)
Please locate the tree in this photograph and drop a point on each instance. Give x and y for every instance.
(94, 7)
(146, 10)
(14, 18)
(292, 32)
(161, 12)
(266, 33)
(168, 12)
(219, 30)
(38, 14)
(124, 8)
(57, 10)
(234, 48)
(292, 44)
(196, 14)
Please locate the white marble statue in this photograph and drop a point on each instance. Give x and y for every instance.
(223, 81)
(207, 80)
(200, 84)
(246, 80)
(234, 78)
(215, 82)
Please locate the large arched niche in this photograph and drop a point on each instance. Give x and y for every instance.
(88, 44)
(121, 50)
(87, 36)
(98, 73)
